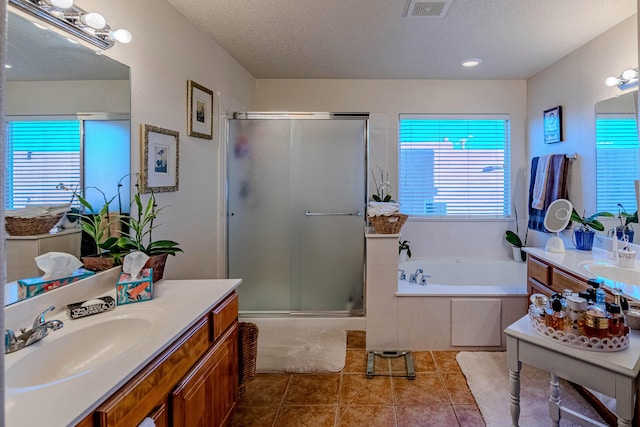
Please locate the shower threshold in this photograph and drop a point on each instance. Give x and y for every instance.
(408, 357)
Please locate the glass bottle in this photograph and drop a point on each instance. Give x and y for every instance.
(596, 322)
(538, 306)
(600, 294)
(556, 318)
(617, 323)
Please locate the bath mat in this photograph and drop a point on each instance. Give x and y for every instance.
(487, 376)
(301, 350)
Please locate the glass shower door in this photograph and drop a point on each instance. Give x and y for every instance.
(296, 199)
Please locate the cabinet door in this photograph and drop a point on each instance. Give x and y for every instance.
(209, 392)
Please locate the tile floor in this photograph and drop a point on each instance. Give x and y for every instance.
(439, 396)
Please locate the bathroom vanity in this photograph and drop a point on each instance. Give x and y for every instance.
(548, 273)
(173, 359)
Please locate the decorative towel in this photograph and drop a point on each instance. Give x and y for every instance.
(540, 183)
(382, 208)
(556, 188)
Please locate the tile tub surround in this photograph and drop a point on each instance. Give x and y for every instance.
(439, 395)
(182, 302)
(421, 322)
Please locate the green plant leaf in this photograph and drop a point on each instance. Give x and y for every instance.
(513, 239)
(387, 198)
(376, 198)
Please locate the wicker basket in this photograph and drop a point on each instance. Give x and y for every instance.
(388, 224)
(248, 337)
(17, 226)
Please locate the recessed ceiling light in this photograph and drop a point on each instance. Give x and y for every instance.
(42, 27)
(7, 66)
(72, 41)
(471, 62)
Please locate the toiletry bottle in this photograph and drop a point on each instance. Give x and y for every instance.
(577, 307)
(617, 323)
(538, 306)
(600, 294)
(596, 322)
(556, 318)
(566, 293)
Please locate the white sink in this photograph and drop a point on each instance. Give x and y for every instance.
(78, 351)
(609, 270)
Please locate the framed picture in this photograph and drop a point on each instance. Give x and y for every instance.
(553, 125)
(160, 159)
(200, 111)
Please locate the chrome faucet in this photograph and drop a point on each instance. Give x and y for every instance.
(39, 330)
(413, 278)
(423, 279)
(403, 275)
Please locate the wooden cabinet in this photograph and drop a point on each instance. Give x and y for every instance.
(208, 394)
(547, 279)
(194, 382)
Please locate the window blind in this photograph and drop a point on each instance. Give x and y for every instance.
(41, 155)
(617, 162)
(454, 165)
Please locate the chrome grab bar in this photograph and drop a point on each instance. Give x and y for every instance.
(356, 213)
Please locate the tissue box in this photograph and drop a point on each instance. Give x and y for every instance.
(130, 290)
(36, 285)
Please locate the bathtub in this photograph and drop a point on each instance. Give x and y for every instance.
(460, 276)
(465, 305)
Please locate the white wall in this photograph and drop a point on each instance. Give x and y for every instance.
(385, 99)
(576, 82)
(67, 97)
(166, 51)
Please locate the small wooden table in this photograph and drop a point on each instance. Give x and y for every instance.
(612, 373)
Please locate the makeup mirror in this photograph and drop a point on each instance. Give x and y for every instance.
(555, 220)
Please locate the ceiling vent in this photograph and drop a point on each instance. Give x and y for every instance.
(427, 9)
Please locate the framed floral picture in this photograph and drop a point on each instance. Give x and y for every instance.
(552, 121)
(160, 159)
(200, 111)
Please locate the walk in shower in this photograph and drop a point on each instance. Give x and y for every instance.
(296, 199)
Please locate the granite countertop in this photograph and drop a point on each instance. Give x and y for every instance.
(176, 306)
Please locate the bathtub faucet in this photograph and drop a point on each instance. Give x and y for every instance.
(413, 278)
(403, 275)
(423, 279)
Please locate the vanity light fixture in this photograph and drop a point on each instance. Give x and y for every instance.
(628, 79)
(90, 27)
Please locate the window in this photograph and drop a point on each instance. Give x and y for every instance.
(40, 156)
(454, 165)
(617, 162)
(47, 158)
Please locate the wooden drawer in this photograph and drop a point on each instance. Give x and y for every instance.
(538, 270)
(535, 287)
(562, 280)
(151, 385)
(223, 315)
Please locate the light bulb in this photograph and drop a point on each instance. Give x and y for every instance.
(629, 74)
(611, 81)
(471, 62)
(93, 20)
(62, 4)
(121, 35)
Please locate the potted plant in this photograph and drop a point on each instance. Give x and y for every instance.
(625, 229)
(514, 239)
(98, 227)
(584, 234)
(139, 236)
(404, 250)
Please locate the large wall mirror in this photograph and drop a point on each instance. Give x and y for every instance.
(617, 155)
(77, 102)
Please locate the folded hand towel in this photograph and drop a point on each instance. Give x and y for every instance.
(382, 208)
(540, 185)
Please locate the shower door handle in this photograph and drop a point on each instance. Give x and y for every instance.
(356, 213)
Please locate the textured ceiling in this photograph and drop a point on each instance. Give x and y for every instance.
(372, 39)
